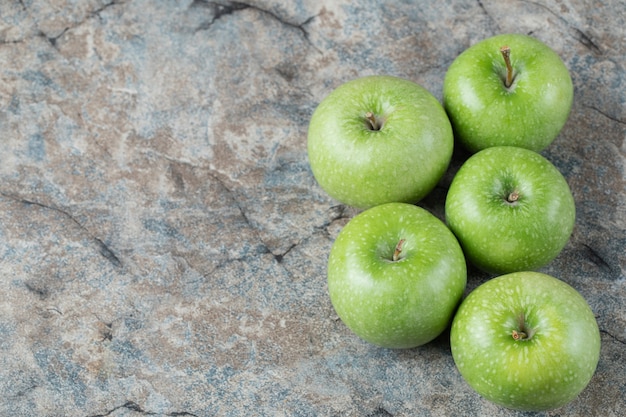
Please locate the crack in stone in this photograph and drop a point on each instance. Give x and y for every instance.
(104, 7)
(583, 38)
(549, 10)
(214, 175)
(486, 12)
(263, 245)
(25, 391)
(133, 406)
(41, 292)
(618, 340)
(242, 212)
(615, 119)
(107, 253)
(337, 212)
(107, 332)
(279, 257)
(129, 405)
(52, 40)
(381, 412)
(56, 310)
(103, 248)
(106, 329)
(13, 42)
(577, 34)
(340, 210)
(595, 258)
(219, 10)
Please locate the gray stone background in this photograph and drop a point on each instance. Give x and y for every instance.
(163, 243)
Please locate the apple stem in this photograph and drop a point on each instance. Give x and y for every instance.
(506, 54)
(398, 250)
(513, 197)
(519, 335)
(524, 332)
(373, 122)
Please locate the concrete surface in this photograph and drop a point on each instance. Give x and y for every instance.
(163, 243)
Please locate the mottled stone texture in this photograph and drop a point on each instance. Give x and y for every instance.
(163, 243)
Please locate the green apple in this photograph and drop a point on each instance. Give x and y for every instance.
(395, 275)
(379, 139)
(510, 209)
(509, 89)
(526, 341)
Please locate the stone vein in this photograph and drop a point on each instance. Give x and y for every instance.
(103, 248)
